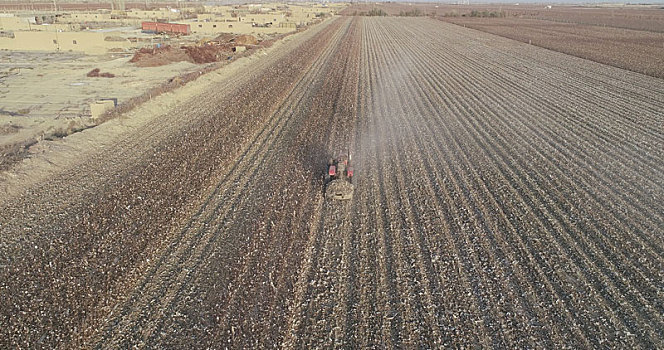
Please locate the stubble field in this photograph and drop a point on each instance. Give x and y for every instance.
(506, 196)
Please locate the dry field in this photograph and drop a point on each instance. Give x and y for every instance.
(625, 37)
(636, 50)
(648, 18)
(643, 18)
(506, 196)
(47, 96)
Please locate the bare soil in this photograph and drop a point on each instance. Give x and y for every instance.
(638, 51)
(506, 196)
(29, 77)
(47, 95)
(628, 37)
(155, 57)
(638, 17)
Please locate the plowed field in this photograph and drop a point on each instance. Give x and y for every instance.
(506, 196)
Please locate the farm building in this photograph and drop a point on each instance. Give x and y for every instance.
(168, 28)
(154, 15)
(236, 27)
(87, 42)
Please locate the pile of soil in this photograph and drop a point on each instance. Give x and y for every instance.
(154, 57)
(207, 53)
(245, 40)
(96, 73)
(212, 51)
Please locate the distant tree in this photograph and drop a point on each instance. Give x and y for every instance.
(376, 12)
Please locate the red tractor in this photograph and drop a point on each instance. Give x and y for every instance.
(339, 178)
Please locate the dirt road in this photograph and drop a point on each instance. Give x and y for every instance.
(506, 196)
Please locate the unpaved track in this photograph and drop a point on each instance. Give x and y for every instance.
(506, 196)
